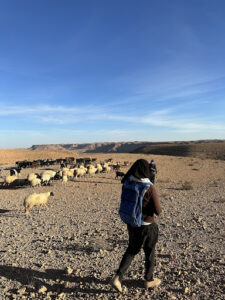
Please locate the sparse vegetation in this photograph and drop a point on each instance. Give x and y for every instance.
(214, 183)
(220, 200)
(166, 180)
(164, 195)
(187, 185)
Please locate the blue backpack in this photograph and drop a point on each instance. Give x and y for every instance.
(131, 202)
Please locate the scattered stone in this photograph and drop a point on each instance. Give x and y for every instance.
(69, 270)
(21, 291)
(32, 295)
(42, 289)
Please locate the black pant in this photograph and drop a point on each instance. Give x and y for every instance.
(145, 236)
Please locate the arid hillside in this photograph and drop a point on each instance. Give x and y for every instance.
(210, 150)
(202, 149)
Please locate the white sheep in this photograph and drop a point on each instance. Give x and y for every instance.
(68, 172)
(45, 179)
(92, 171)
(35, 182)
(64, 179)
(78, 172)
(9, 179)
(49, 172)
(31, 176)
(65, 170)
(35, 200)
(99, 168)
(107, 169)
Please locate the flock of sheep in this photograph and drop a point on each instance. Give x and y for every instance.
(35, 179)
(64, 174)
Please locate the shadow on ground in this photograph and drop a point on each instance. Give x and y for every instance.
(35, 279)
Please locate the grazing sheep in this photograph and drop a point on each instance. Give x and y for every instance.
(71, 173)
(116, 167)
(49, 172)
(65, 169)
(68, 172)
(15, 172)
(106, 169)
(64, 179)
(19, 182)
(99, 168)
(78, 172)
(105, 165)
(35, 182)
(9, 179)
(35, 200)
(58, 175)
(31, 176)
(119, 174)
(45, 179)
(91, 171)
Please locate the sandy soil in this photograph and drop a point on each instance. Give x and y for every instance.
(72, 250)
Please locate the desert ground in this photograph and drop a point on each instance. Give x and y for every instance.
(72, 249)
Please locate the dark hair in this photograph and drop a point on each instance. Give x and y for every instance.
(140, 169)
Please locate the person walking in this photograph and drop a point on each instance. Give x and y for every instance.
(145, 236)
(153, 170)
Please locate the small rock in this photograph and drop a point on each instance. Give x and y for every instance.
(42, 289)
(32, 295)
(69, 270)
(21, 291)
(66, 284)
(204, 225)
(61, 296)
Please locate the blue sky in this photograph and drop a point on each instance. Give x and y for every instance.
(87, 71)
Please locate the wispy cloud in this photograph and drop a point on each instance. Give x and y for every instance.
(172, 117)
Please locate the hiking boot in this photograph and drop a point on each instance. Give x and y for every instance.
(151, 284)
(117, 284)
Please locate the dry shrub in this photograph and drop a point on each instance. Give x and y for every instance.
(214, 183)
(220, 200)
(187, 185)
(166, 180)
(164, 195)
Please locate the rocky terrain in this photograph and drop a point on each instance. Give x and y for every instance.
(211, 149)
(72, 250)
(201, 149)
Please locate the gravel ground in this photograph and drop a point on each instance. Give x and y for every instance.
(71, 250)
